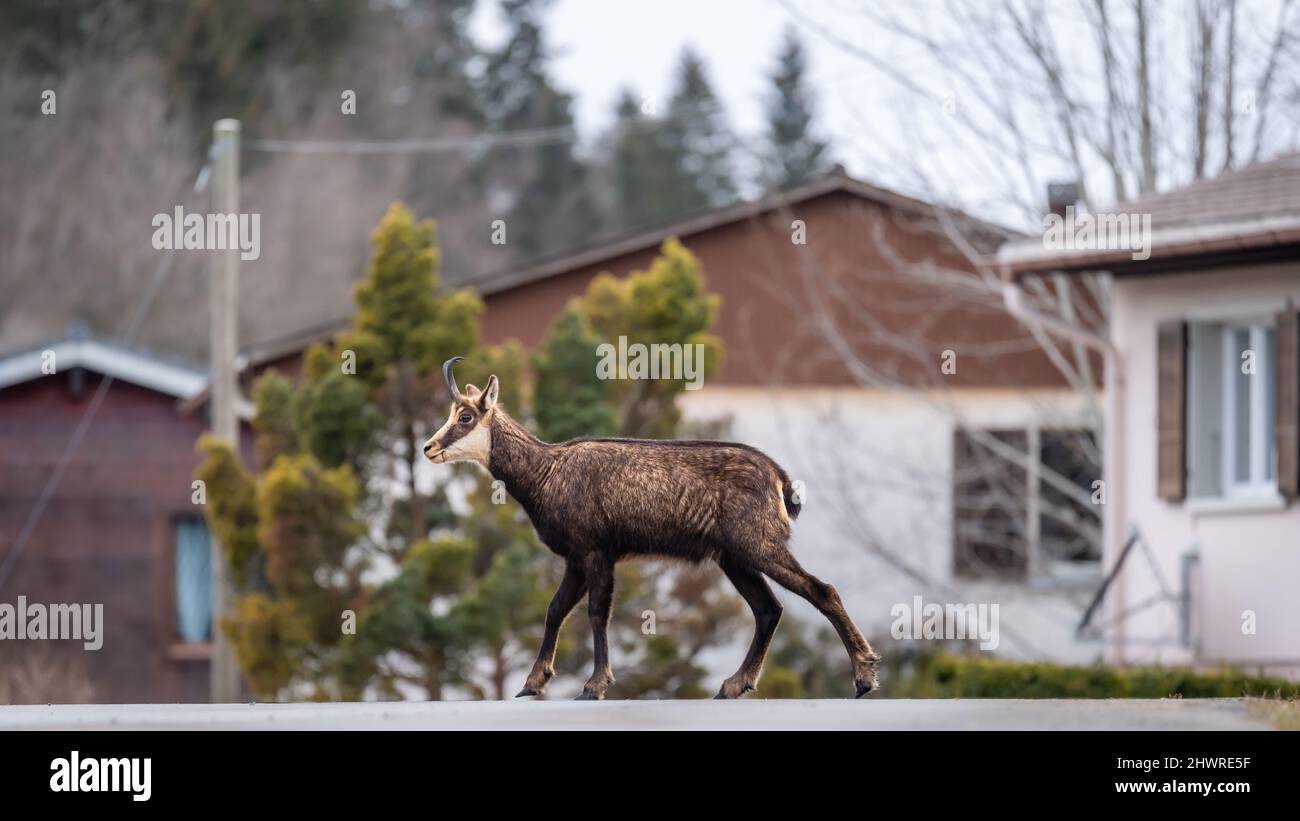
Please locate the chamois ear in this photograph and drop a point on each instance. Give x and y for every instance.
(472, 393)
(489, 398)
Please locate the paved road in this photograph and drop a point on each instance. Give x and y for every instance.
(868, 714)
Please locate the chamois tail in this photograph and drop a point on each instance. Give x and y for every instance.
(789, 495)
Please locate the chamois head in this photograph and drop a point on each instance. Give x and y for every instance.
(465, 436)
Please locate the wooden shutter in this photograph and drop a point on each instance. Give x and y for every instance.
(1287, 425)
(1171, 411)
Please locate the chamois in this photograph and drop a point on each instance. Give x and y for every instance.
(596, 501)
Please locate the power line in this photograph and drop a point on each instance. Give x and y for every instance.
(524, 137)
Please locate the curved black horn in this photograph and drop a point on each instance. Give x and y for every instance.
(450, 377)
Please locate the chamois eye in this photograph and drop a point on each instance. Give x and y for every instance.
(466, 418)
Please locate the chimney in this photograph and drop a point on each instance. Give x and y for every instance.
(1061, 195)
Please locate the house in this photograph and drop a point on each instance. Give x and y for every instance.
(1202, 530)
(123, 529)
(865, 352)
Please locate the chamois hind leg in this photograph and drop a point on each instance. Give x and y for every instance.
(572, 588)
(600, 596)
(786, 571)
(767, 614)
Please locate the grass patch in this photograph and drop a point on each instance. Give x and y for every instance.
(1282, 713)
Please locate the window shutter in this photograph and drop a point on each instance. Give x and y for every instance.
(1171, 411)
(1287, 426)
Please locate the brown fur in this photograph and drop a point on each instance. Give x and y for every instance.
(597, 501)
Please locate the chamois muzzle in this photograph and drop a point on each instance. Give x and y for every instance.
(450, 377)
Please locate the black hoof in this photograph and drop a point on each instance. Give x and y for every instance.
(527, 691)
(719, 696)
(863, 689)
(586, 696)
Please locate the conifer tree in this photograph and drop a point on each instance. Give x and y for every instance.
(698, 131)
(335, 525)
(645, 168)
(793, 153)
(571, 397)
(546, 184)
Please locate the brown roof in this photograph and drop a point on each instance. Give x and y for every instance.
(836, 180)
(1250, 213)
(982, 233)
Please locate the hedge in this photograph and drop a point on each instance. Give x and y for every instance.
(942, 675)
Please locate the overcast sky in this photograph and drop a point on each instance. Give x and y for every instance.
(881, 132)
(601, 47)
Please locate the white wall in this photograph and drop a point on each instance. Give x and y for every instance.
(877, 471)
(1249, 560)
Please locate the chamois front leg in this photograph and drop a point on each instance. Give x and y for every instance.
(572, 588)
(600, 596)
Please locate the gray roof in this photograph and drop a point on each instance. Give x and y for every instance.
(119, 362)
(1256, 192)
(1251, 211)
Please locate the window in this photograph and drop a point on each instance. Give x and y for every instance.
(989, 521)
(1070, 526)
(1013, 520)
(193, 582)
(1231, 409)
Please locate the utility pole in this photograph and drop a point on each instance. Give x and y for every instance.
(224, 295)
